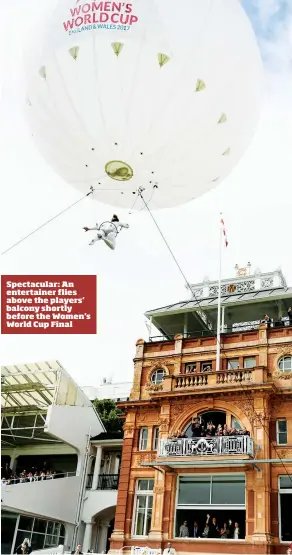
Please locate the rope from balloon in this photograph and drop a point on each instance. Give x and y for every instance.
(48, 221)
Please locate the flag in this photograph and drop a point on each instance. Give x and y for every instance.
(224, 232)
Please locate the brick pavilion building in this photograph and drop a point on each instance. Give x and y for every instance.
(174, 470)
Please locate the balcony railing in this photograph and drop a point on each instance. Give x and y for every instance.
(237, 327)
(105, 481)
(202, 446)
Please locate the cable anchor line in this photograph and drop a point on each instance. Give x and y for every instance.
(91, 191)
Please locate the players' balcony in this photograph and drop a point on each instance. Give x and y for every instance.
(222, 446)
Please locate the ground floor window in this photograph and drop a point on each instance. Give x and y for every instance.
(143, 507)
(211, 507)
(41, 533)
(285, 504)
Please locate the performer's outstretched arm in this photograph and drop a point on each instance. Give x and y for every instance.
(121, 224)
(96, 228)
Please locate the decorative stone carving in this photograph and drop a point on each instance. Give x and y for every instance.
(128, 430)
(278, 375)
(158, 490)
(164, 424)
(153, 387)
(285, 453)
(142, 417)
(146, 458)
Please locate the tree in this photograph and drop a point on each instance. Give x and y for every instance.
(110, 415)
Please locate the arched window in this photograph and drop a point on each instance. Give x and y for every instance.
(158, 376)
(285, 364)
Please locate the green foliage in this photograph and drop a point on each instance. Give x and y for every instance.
(109, 414)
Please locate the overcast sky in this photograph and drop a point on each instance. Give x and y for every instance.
(256, 201)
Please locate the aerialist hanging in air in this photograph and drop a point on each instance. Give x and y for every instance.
(107, 231)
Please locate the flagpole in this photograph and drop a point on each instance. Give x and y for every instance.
(219, 302)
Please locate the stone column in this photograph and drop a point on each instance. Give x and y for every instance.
(87, 537)
(157, 511)
(117, 538)
(102, 536)
(96, 468)
(262, 477)
(156, 532)
(138, 365)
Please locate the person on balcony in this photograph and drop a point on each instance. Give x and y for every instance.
(219, 431)
(210, 432)
(25, 547)
(184, 531)
(196, 530)
(213, 529)
(169, 550)
(267, 320)
(236, 533)
(77, 551)
(230, 528)
(224, 532)
(196, 427)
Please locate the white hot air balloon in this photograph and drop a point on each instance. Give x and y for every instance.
(158, 94)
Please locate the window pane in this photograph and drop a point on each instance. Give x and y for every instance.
(37, 541)
(233, 364)
(250, 362)
(227, 491)
(51, 541)
(148, 521)
(146, 485)
(286, 482)
(141, 502)
(40, 525)
(8, 523)
(157, 376)
(235, 424)
(285, 506)
(140, 523)
(62, 531)
(282, 425)
(194, 491)
(285, 364)
(25, 523)
(282, 439)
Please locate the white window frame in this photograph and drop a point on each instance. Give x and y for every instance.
(139, 493)
(155, 438)
(209, 507)
(230, 360)
(278, 432)
(249, 358)
(142, 442)
(282, 492)
(154, 376)
(283, 358)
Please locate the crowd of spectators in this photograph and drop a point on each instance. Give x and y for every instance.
(200, 429)
(211, 529)
(8, 477)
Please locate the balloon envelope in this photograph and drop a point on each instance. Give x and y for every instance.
(153, 93)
